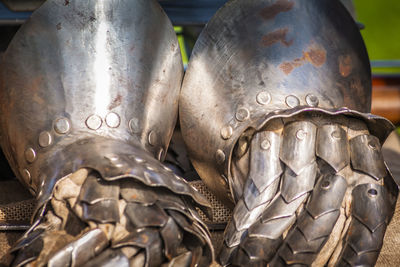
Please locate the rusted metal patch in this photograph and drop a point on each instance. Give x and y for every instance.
(275, 37)
(315, 55)
(270, 12)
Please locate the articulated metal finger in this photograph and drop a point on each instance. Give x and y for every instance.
(370, 216)
(145, 216)
(81, 250)
(256, 251)
(265, 165)
(332, 146)
(95, 189)
(104, 211)
(305, 241)
(366, 156)
(294, 186)
(109, 258)
(298, 145)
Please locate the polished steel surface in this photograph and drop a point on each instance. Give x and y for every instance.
(253, 59)
(80, 69)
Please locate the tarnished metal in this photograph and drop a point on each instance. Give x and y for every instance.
(91, 92)
(366, 156)
(265, 165)
(327, 196)
(298, 145)
(294, 186)
(252, 47)
(333, 146)
(95, 69)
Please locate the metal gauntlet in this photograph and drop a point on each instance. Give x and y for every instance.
(89, 99)
(275, 114)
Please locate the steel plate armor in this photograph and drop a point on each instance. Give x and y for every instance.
(274, 112)
(89, 95)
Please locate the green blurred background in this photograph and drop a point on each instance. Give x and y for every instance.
(382, 32)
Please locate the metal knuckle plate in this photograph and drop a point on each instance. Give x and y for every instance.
(95, 190)
(333, 146)
(265, 165)
(243, 217)
(233, 236)
(327, 195)
(104, 211)
(299, 244)
(370, 205)
(315, 228)
(351, 258)
(280, 209)
(253, 198)
(260, 249)
(272, 229)
(145, 216)
(298, 145)
(294, 186)
(362, 240)
(289, 258)
(133, 191)
(366, 156)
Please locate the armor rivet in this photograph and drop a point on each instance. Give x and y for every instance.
(226, 132)
(372, 146)
(336, 134)
(30, 155)
(326, 185)
(372, 193)
(94, 122)
(312, 100)
(134, 125)
(27, 176)
(45, 139)
(152, 138)
(242, 114)
(263, 98)
(113, 120)
(266, 144)
(220, 156)
(62, 126)
(150, 168)
(292, 101)
(301, 134)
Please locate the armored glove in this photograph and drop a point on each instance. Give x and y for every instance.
(89, 102)
(274, 112)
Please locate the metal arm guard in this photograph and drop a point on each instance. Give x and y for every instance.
(274, 106)
(95, 85)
